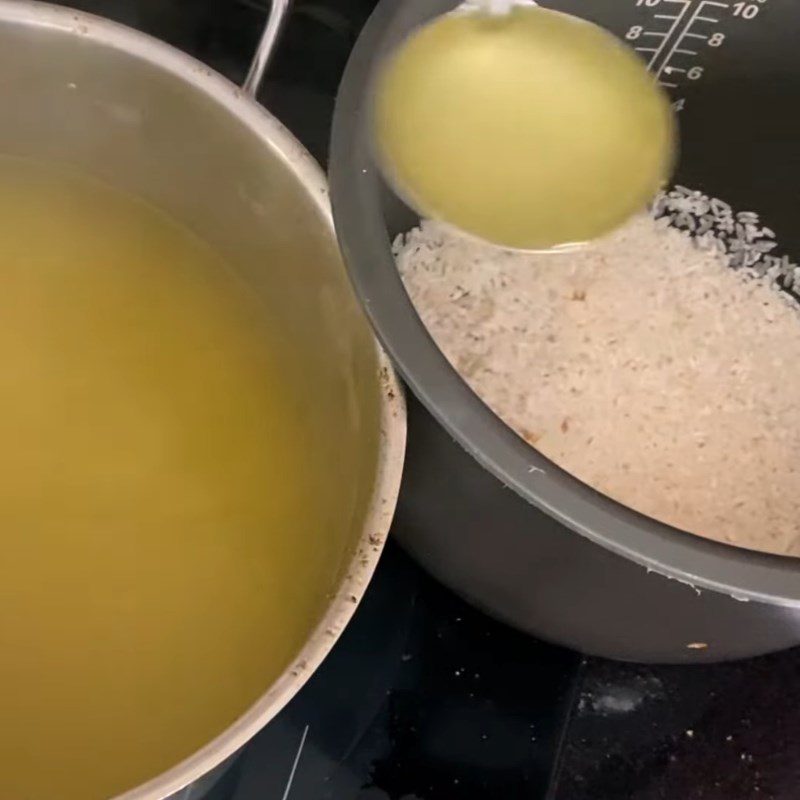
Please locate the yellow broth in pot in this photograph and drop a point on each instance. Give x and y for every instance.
(166, 536)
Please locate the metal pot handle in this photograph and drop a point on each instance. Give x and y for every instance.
(278, 12)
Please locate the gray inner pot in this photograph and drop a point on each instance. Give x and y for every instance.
(493, 518)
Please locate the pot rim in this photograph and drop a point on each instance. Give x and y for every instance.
(392, 427)
(357, 196)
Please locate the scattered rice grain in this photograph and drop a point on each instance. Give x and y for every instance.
(646, 366)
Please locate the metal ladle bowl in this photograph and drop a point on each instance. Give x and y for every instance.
(459, 74)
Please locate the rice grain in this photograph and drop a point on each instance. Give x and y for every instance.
(645, 366)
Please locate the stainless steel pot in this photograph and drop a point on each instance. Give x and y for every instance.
(489, 515)
(153, 121)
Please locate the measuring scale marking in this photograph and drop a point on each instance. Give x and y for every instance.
(680, 33)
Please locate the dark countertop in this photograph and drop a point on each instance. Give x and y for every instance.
(722, 732)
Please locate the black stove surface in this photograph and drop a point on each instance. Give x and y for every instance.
(420, 699)
(425, 698)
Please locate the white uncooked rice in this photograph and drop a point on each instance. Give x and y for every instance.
(645, 366)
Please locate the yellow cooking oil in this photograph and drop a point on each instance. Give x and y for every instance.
(155, 532)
